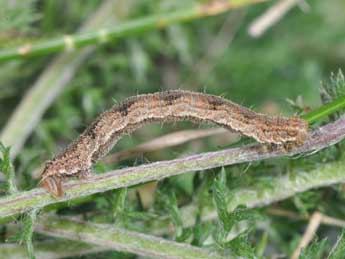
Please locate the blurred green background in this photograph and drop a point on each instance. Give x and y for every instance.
(213, 54)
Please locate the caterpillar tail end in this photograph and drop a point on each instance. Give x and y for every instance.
(53, 185)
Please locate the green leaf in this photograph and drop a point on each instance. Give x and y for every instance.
(7, 168)
(17, 15)
(186, 233)
(141, 215)
(307, 201)
(333, 97)
(241, 246)
(222, 197)
(184, 182)
(242, 213)
(333, 89)
(262, 244)
(167, 198)
(220, 200)
(314, 250)
(201, 231)
(119, 203)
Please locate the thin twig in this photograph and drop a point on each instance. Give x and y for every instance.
(324, 175)
(332, 221)
(168, 140)
(286, 213)
(327, 220)
(121, 240)
(270, 17)
(308, 235)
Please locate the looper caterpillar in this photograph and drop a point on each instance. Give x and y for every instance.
(133, 113)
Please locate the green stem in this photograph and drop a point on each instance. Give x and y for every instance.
(121, 239)
(29, 223)
(52, 81)
(50, 250)
(325, 110)
(37, 198)
(140, 25)
(260, 195)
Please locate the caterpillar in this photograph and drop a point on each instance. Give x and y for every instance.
(169, 106)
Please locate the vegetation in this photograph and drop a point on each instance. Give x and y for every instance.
(64, 62)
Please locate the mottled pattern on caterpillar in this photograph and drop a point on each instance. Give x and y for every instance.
(133, 113)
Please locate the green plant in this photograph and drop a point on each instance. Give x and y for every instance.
(232, 198)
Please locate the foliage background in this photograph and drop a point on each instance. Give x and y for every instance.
(288, 61)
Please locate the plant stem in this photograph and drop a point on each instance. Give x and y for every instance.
(325, 110)
(121, 239)
(214, 7)
(50, 250)
(50, 84)
(318, 139)
(29, 223)
(280, 188)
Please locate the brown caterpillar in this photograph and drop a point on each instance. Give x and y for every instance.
(133, 113)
